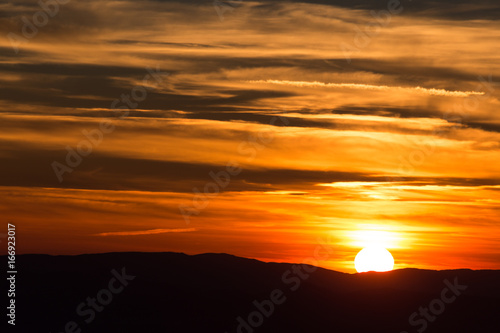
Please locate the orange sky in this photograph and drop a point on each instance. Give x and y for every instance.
(398, 145)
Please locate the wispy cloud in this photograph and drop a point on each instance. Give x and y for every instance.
(426, 91)
(145, 232)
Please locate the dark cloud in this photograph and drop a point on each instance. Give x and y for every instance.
(490, 127)
(448, 9)
(31, 167)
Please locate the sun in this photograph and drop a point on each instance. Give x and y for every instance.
(374, 258)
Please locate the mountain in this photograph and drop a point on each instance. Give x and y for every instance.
(175, 292)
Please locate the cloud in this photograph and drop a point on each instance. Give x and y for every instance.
(418, 90)
(144, 232)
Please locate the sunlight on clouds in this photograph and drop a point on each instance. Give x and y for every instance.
(432, 91)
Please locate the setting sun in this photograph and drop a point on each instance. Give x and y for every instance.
(374, 258)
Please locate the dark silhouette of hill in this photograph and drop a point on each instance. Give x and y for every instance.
(174, 292)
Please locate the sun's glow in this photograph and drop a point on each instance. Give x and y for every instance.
(379, 238)
(374, 258)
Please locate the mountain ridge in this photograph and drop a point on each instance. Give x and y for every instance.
(176, 292)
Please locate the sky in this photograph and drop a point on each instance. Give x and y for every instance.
(259, 129)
